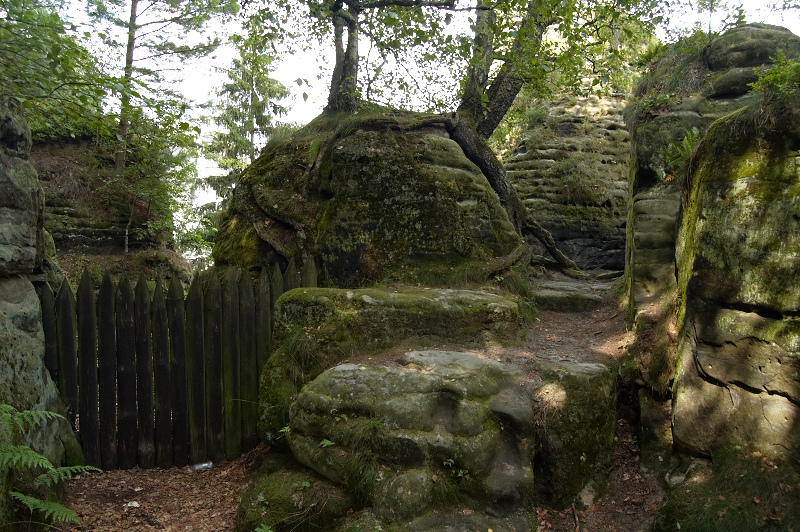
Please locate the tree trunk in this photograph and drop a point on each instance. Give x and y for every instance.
(343, 96)
(478, 151)
(497, 99)
(474, 100)
(124, 112)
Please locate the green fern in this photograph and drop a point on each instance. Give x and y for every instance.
(22, 458)
(51, 511)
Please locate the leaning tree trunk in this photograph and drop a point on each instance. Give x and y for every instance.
(487, 106)
(343, 95)
(478, 151)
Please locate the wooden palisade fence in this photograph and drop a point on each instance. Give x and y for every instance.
(164, 380)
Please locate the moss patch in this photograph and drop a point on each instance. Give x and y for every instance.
(745, 491)
(285, 497)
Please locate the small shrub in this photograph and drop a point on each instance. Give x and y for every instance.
(782, 81)
(679, 155)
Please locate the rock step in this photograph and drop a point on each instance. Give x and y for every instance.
(564, 296)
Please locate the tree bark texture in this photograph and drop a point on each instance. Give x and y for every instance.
(343, 95)
(122, 130)
(489, 110)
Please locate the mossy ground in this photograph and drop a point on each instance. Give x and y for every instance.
(285, 496)
(745, 491)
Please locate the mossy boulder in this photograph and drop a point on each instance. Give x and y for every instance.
(576, 405)
(738, 381)
(316, 328)
(434, 429)
(286, 497)
(367, 198)
(21, 200)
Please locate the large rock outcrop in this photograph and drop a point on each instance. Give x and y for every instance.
(368, 199)
(675, 104)
(738, 381)
(570, 170)
(354, 391)
(438, 429)
(25, 383)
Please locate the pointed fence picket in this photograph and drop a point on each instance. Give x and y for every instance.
(158, 379)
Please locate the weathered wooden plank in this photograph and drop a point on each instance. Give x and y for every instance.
(48, 303)
(67, 354)
(89, 425)
(231, 394)
(212, 300)
(177, 337)
(161, 379)
(308, 277)
(107, 373)
(195, 369)
(263, 299)
(126, 376)
(277, 287)
(291, 277)
(144, 377)
(248, 371)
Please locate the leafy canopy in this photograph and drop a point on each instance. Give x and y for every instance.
(45, 69)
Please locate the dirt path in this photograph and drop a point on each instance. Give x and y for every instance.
(182, 500)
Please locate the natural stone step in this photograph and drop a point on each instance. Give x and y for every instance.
(566, 297)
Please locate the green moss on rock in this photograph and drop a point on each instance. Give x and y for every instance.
(576, 420)
(369, 198)
(316, 328)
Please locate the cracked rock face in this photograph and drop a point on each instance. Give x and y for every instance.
(739, 273)
(440, 427)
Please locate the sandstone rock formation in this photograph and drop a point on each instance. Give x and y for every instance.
(677, 102)
(571, 170)
(316, 328)
(724, 273)
(402, 434)
(368, 199)
(739, 278)
(25, 383)
(440, 428)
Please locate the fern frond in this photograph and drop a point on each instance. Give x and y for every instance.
(28, 419)
(22, 457)
(54, 475)
(52, 511)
